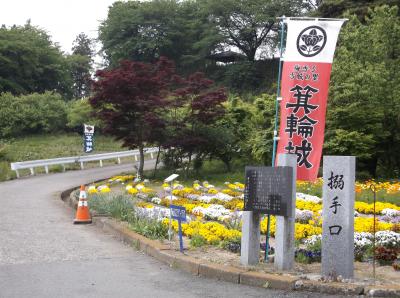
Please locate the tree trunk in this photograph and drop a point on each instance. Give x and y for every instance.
(227, 162)
(157, 159)
(141, 161)
(251, 54)
(228, 165)
(188, 165)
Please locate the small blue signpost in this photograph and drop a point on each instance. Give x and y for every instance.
(179, 213)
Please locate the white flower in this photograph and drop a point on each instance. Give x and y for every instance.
(157, 212)
(171, 197)
(198, 211)
(312, 240)
(390, 212)
(308, 198)
(205, 199)
(388, 239)
(303, 215)
(223, 197)
(214, 211)
(177, 186)
(156, 200)
(128, 187)
(102, 187)
(362, 239)
(192, 196)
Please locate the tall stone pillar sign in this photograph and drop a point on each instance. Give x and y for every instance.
(338, 216)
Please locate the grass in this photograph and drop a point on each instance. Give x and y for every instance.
(122, 207)
(213, 171)
(49, 146)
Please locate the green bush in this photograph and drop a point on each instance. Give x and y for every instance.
(197, 240)
(79, 112)
(149, 228)
(118, 206)
(31, 114)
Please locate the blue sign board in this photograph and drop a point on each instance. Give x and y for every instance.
(88, 138)
(88, 141)
(179, 213)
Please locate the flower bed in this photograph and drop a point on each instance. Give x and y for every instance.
(214, 213)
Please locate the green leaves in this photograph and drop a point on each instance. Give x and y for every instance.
(30, 114)
(363, 105)
(30, 62)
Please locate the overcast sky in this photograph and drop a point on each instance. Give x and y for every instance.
(62, 19)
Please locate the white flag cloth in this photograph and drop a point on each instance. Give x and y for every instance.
(311, 41)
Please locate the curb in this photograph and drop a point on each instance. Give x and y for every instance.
(175, 259)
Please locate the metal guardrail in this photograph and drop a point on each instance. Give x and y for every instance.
(32, 164)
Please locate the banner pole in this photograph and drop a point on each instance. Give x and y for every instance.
(275, 137)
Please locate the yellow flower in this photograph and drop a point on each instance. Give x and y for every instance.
(146, 190)
(231, 192)
(307, 205)
(105, 189)
(144, 205)
(92, 189)
(366, 224)
(212, 232)
(367, 208)
(212, 191)
(132, 191)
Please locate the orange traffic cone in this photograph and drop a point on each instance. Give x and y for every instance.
(82, 212)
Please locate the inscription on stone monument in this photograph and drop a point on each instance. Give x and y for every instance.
(269, 190)
(338, 216)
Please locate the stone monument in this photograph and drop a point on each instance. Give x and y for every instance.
(338, 216)
(268, 190)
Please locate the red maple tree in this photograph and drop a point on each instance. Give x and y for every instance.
(131, 101)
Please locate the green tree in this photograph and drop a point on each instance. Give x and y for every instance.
(145, 31)
(81, 65)
(363, 116)
(30, 62)
(250, 25)
(336, 8)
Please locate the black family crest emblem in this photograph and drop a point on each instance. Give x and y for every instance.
(311, 41)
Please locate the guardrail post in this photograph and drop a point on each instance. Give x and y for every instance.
(46, 168)
(101, 163)
(16, 171)
(151, 155)
(32, 171)
(119, 160)
(63, 166)
(135, 157)
(82, 165)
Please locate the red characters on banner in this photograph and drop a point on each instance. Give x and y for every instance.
(303, 108)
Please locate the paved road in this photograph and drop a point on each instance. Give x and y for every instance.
(42, 254)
